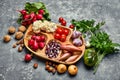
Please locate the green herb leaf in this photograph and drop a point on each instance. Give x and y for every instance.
(39, 5)
(87, 25)
(30, 7)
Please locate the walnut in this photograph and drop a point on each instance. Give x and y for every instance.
(7, 38)
(11, 30)
(18, 35)
(22, 28)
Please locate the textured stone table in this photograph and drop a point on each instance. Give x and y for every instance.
(12, 66)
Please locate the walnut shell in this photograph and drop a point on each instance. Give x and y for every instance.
(11, 30)
(22, 28)
(18, 35)
(7, 38)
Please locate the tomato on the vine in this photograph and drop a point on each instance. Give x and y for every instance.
(63, 23)
(66, 32)
(71, 26)
(59, 30)
(61, 19)
(57, 36)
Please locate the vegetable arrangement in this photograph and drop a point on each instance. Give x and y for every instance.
(32, 12)
(100, 43)
(37, 14)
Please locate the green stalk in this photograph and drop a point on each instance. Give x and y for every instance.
(98, 62)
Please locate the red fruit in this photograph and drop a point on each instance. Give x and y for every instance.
(42, 38)
(34, 19)
(23, 12)
(29, 22)
(63, 38)
(61, 19)
(59, 31)
(33, 37)
(26, 17)
(71, 26)
(39, 16)
(24, 23)
(63, 23)
(57, 36)
(65, 31)
(30, 42)
(41, 45)
(38, 38)
(32, 15)
(28, 57)
(35, 46)
(41, 11)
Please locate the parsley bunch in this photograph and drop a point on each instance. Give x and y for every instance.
(87, 25)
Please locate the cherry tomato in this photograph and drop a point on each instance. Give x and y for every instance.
(59, 30)
(57, 36)
(71, 26)
(63, 23)
(63, 38)
(65, 31)
(61, 19)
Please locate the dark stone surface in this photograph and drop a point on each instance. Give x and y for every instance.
(12, 66)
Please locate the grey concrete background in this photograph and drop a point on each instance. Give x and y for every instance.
(12, 66)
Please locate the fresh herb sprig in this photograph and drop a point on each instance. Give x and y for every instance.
(99, 40)
(87, 25)
(103, 46)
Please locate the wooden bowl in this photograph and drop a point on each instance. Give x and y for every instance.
(49, 36)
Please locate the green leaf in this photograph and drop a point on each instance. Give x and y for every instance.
(116, 44)
(19, 20)
(38, 5)
(34, 7)
(30, 7)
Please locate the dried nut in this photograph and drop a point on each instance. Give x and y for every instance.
(14, 45)
(18, 35)
(22, 28)
(20, 48)
(46, 63)
(50, 63)
(35, 65)
(18, 42)
(22, 41)
(50, 69)
(11, 30)
(54, 71)
(56, 66)
(7, 38)
(22, 45)
(47, 67)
